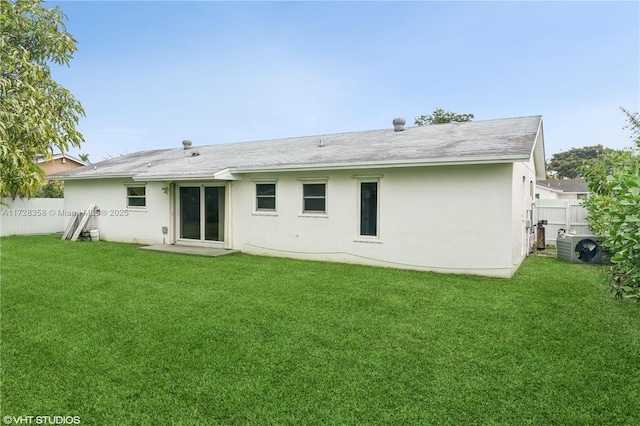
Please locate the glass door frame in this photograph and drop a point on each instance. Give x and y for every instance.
(224, 222)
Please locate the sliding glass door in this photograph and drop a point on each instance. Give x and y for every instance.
(201, 213)
(214, 213)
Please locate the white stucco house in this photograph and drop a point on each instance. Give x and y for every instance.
(449, 197)
(561, 189)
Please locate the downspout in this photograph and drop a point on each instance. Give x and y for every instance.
(228, 243)
(172, 213)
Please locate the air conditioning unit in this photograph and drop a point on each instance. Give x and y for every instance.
(579, 248)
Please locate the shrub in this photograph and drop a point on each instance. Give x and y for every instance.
(614, 210)
(52, 189)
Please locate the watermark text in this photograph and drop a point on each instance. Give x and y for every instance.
(61, 212)
(41, 420)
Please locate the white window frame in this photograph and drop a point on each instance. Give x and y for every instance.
(314, 181)
(360, 179)
(128, 196)
(202, 187)
(266, 212)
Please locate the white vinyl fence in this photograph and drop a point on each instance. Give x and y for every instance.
(569, 215)
(32, 216)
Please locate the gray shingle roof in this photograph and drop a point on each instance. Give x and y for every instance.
(565, 185)
(503, 140)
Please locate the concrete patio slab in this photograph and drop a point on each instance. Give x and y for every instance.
(196, 251)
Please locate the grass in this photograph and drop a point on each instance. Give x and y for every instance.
(117, 335)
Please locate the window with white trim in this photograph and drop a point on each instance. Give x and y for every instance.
(266, 197)
(368, 209)
(136, 197)
(314, 197)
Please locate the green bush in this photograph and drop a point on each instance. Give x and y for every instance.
(614, 210)
(52, 189)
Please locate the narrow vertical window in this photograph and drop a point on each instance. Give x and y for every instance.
(266, 196)
(314, 197)
(369, 209)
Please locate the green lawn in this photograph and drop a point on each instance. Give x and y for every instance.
(117, 335)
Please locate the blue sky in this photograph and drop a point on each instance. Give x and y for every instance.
(150, 74)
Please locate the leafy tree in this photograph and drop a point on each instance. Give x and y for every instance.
(614, 210)
(84, 157)
(566, 165)
(440, 116)
(52, 189)
(37, 115)
(634, 125)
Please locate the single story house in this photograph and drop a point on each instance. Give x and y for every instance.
(452, 197)
(561, 189)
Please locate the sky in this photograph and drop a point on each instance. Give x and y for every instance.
(151, 74)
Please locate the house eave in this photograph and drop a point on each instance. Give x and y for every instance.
(229, 174)
(538, 154)
(375, 165)
(61, 156)
(546, 188)
(90, 177)
(223, 175)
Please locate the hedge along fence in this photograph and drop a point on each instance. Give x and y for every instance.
(32, 216)
(614, 209)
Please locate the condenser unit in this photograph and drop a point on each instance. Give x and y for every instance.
(579, 248)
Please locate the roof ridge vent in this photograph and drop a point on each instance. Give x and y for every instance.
(186, 144)
(398, 124)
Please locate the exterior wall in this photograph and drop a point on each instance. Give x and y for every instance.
(523, 201)
(442, 218)
(550, 194)
(116, 222)
(446, 219)
(568, 196)
(546, 194)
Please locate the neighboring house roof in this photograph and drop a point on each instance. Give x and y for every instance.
(477, 142)
(59, 163)
(564, 185)
(59, 156)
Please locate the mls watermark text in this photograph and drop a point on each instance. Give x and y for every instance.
(61, 212)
